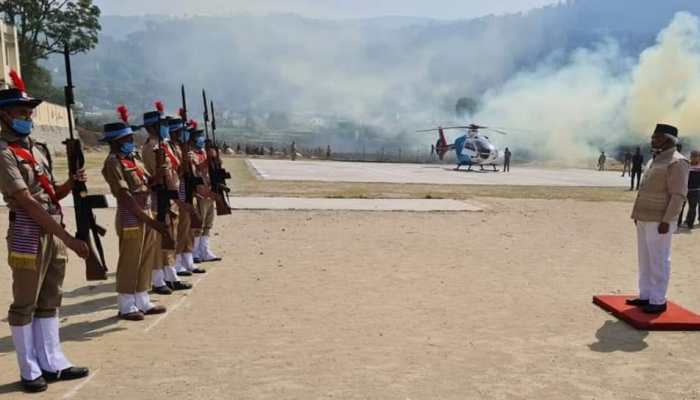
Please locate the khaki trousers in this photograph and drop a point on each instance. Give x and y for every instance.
(38, 291)
(207, 210)
(185, 238)
(166, 258)
(137, 254)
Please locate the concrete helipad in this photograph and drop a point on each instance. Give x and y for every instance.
(329, 171)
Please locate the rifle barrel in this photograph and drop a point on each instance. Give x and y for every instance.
(184, 105)
(213, 124)
(206, 114)
(70, 98)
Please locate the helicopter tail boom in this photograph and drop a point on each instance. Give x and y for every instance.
(442, 147)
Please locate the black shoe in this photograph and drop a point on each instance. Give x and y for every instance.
(35, 386)
(156, 310)
(179, 285)
(132, 316)
(636, 302)
(67, 374)
(199, 271)
(654, 308)
(215, 259)
(164, 290)
(184, 273)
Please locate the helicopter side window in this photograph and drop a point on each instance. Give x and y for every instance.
(469, 146)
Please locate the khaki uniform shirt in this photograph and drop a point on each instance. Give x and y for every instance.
(17, 175)
(172, 176)
(663, 190)
(201, 165)
(119, 177)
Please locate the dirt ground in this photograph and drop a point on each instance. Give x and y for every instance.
(362, 305)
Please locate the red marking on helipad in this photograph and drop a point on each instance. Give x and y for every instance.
(676, 318)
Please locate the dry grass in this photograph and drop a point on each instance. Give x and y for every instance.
(93, 166)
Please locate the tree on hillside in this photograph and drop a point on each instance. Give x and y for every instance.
(43, 28)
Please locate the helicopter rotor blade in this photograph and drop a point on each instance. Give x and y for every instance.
(514, 130)
(497, 131)
(428, 130)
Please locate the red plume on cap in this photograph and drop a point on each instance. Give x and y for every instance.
(123, 113)
(17, 81)
(181, 113)
(193, 124)
(159, 106)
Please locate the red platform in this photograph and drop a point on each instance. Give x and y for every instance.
(676, 318)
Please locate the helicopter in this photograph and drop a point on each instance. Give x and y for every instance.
(471, 148)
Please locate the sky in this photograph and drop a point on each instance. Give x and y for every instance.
(335, 9)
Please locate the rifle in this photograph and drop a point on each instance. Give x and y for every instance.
(87, 229)
(163, 193)
(217, 174)
(191, 180)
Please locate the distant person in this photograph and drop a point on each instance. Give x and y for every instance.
(663, 191)
(601, 161)
(637, 165)
(693, 189)
(627, 166)
(506, 160)
(293, 150)
(328, 152)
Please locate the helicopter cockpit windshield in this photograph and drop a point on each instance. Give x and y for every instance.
(483, 146)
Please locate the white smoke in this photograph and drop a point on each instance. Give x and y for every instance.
(599, 99)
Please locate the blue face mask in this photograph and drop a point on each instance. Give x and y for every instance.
(23, 127)
(127, 148)
(164, 132)
(200, 142)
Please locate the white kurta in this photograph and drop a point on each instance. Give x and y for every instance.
(654, 261)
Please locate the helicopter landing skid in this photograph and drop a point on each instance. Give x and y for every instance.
(481, 168)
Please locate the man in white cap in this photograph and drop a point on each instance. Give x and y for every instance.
(661, 196)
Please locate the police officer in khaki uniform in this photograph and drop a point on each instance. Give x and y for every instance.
(656, 209)
(206, 204)
(165, 278)
(180, 141)
(138, 231)
(37, 244)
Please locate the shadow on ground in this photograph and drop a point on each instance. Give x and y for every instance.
(90, 290)
(77, 332)
(13, 387)
(618, 336)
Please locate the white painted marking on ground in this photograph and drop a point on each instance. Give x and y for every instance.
(177, 305)
(81, 385)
